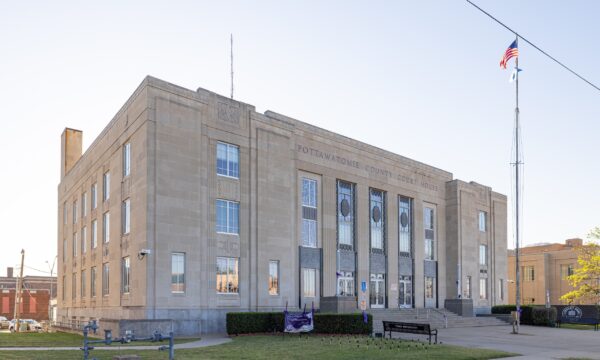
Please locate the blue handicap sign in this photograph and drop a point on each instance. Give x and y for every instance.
(363, 286)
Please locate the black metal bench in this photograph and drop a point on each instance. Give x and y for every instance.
(410, 328)
(586, 321)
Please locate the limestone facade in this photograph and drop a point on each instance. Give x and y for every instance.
(330, 216)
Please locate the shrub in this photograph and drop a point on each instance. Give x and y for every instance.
(544, 317)
(526, 318)
(262, 322)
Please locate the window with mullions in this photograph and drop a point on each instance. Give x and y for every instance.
(309, 287)
(82, 283)
(566, 270)
(227, 275)
(405, 226)
(126, 159)
(528, 273)
(309, 212)
(93, 281)
(483, 255)
(345, 283)
(228, 217)
(377, 216)
(273, 277)
(177, 272)
(74, 286)
(228, 160)
(482, 221)
(482, 288)
(105, 279)
(429, 225)
(125, 275)
(345, 214)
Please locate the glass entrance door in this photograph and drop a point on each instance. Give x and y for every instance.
(377, 291)
(405, 292)
(430, 292)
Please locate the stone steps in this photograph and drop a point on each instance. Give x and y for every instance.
(434, 318)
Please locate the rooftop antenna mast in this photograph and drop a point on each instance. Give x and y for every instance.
(231, 62)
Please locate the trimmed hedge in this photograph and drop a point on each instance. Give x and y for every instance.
(544, 317)
(264, 322)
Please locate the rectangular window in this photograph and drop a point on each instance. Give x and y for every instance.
(310, 281)
(64, 250)
(84, 205)
(528, 273)
(82, 283)
(106, 227)
(428, 287)
(429, 222)
(93, 281)
(345, 283)
(468, 292)
(65, 213)
(482, 288)
(227, 275)
(273, 277)
(501, 289)
(482, 221)
(74, 244)
(64, 287)
(126, 216)
(106, 186)
(75, 212)
(94, 235)
(309, 212)
(94, 192)
(74, 286)
(483, 255)
(566, 270)
(105, 279)
(345, 212)
(126, 159)
(228, 213)
(377, 219)
(228, 160)
(405, 226)
(83, 240)
(177, 272)
(125, 275)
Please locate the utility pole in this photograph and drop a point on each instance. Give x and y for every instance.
(51, 289)
(19, 292)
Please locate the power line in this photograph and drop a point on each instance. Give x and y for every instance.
(535, 46)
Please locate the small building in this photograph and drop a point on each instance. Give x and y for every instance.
(544, 270)
(189, 205)
(37, 291)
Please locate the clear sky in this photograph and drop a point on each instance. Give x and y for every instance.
(419, 78)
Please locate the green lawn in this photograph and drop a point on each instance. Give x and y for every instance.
(58, 339)
(290, 347)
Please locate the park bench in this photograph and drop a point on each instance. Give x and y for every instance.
(587, 321)
(410, 328)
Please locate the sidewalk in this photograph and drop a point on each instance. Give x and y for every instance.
(206, 340)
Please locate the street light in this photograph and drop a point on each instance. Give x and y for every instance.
(51, 288)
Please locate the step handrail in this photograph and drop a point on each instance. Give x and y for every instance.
(441, 313)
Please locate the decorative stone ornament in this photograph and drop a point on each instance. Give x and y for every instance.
(376, 213)
(404, 219)
(345, 207)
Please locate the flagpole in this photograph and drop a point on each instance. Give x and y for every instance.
(517, 194)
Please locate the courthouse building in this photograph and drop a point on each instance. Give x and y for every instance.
(189, 205)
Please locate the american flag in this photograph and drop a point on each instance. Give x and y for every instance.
(512, 51)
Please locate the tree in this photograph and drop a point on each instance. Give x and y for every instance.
(586, 277)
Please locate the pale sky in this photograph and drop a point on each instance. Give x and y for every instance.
(419, 78)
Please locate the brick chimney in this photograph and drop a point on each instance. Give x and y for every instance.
(70, 149)
(9, 272)
(574, 242)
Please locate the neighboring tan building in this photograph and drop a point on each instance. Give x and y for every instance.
(37, 291)
(544, 271)
(190, 205)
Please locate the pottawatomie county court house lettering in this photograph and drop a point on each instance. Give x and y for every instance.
(189, 205)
